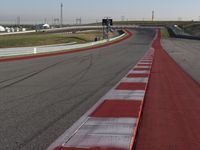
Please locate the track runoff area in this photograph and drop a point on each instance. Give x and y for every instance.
(148, 109)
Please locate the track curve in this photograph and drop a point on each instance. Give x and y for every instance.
(40, 98)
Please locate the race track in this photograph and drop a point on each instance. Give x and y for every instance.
(41, 98)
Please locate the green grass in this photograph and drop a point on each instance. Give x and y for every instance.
(38, 39)
(164, 33)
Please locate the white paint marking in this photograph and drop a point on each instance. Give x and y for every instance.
(104, 132)
(136, 80)
(146, 67)
(125, 95)
(103, 121)
(145, 63)
(139, 72)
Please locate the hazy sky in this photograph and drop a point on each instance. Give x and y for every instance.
(91, 10)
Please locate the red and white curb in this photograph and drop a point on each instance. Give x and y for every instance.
(112, 123)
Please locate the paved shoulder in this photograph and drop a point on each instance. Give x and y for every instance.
(170, 118)
(186, 53)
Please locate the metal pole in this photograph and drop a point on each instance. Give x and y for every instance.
(61, 15)
(153, 15)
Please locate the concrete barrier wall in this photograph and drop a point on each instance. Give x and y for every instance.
(173, 32)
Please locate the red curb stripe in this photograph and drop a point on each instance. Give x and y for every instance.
(117, 108)
(94, 148)
(132, 75)
(129, 34)
(131, 86)
(146, 59)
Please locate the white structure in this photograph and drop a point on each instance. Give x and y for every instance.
(16, 29)
(46, 26)
(2, 29)
(41, 27)
(12, 30)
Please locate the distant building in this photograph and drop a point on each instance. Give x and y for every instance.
(42, 26)
(8, 29)
(23, 29)
(16, 29)
(2, 29)
(12, 29)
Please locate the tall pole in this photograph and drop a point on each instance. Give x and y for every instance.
(61, 15)
(153, 15)
(18, 20)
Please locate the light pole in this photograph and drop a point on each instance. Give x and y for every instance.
(61, 14)
(153, 15)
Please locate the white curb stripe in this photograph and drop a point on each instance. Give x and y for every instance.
(145, 63)
(146, 67)
(137, 80)
(139, 71)
(125, 95)
(104, 132)
(90, 141)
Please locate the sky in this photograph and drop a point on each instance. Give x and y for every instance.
(37, 11)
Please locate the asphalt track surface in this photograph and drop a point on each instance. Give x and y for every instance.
(40, 98)
(171, 111)
(186, 53)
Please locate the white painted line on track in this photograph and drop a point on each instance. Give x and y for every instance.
(104, 132)
(145, 67)
(137, 80)
(125, 95)
(139, 71)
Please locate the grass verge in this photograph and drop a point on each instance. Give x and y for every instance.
(38, 39)
(193, 29)
(164, 33)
